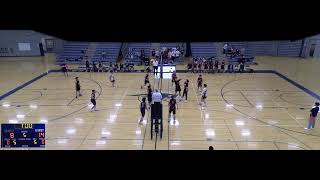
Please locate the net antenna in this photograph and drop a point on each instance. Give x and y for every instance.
(161, 72)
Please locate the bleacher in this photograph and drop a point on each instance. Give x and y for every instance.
(137, 47)
(112, 50)
(205, 50)
(73, 52)
(261, 47)
(289, 48)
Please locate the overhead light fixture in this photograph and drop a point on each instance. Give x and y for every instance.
(6, 105)
(13, 121)
(33, 106)
(239, 123)
(229, 105)
(210, 132)
(21, 116)
(100, 142)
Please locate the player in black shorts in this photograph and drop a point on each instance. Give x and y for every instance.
(216, 65)
(206, 66)
(173, 77)
(185, 89)
(199, 66)
(149, 96)
(93, 100)
(143, 106)
(222, 66)
(172, 108)
(178, 88)
(146, 80)
(210, 65)
(78, 93)
(199, 82)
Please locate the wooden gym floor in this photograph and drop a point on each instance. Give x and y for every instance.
(268, 112)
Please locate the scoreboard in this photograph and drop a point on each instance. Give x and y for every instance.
(167, 71)
(22, 135)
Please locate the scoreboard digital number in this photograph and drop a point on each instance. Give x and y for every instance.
(22, 135)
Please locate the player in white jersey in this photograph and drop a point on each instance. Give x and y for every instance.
(204, 95)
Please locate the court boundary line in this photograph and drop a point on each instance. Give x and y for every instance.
(299, 86)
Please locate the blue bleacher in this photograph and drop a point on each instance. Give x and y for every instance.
(112, 51)
(289, 48)
(206, 50)
(71, 51)
(261, 47)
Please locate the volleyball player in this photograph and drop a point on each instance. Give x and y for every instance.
(216, 66)
(111, 78)
(173, 106)
(199, 82)
(146, 80)
(200, 66)
(173, 77)
(211, 66)
(93, 100)
(78, 93)
(222, 66)
(143, 106)
(185, 89)
(149, 96)
(204, 95)
(178, 88)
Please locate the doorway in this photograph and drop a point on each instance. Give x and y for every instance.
(312, 48)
